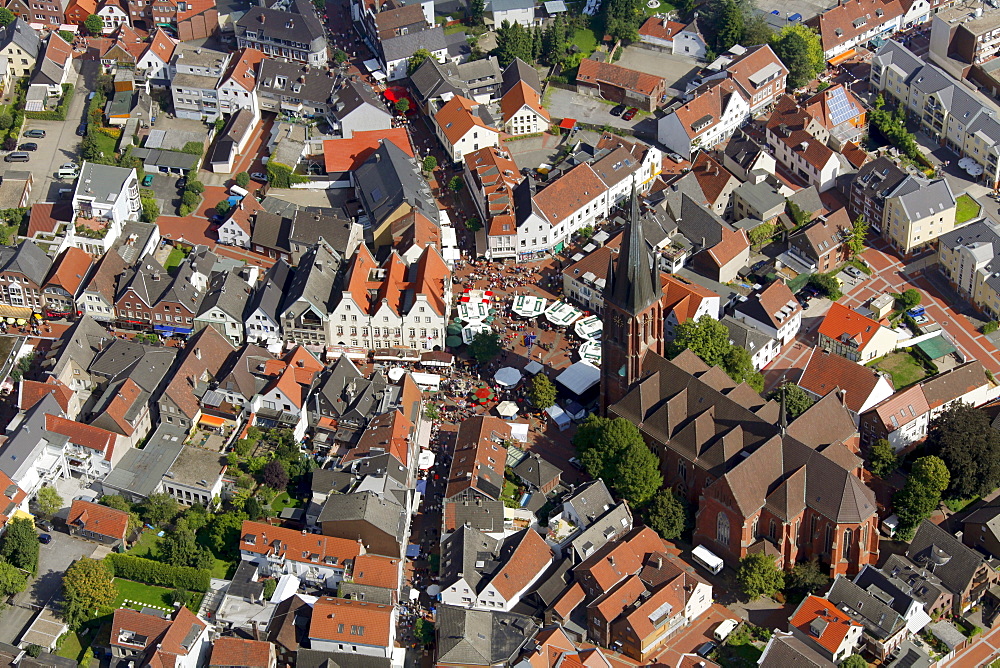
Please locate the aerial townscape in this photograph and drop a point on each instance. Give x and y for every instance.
(500, 333)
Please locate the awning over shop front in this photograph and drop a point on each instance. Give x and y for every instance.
(14, 311)
(839, 58)
(211, 421)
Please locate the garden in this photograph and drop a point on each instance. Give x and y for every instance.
(903, 367)
(966, 209)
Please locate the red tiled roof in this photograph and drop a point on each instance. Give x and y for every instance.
(855, 155)
(848, 20)
(98, 519)
(844, 324)
(376, 571)
(70, 270)
(616, 560)
(902, 408)
(706, 108)
(732, 244)
(592, 71)
(837, 626)
(712, 177)
(15, 497)
(32, 391)
(497, 176)
(521, 95)
(185, 622)
(457, 118)
(296, 546)
(682, 297)
(104, 278)
(204, 355)
(41, 219)
(57, 49)
(756, 59)
(795, 135)
(352, 622)
(531, 556)
(147, 629)
(477, 455)
(570, 192)
(83, 435)
(387, 433)
(241, 653)
(826, 372)
(569, 600)
(346, 155)
(242, 68)
(660, 28)
(128, 394)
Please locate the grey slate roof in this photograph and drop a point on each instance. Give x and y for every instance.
(403, 46)
(480, 637)
(357, 95)
(19, 452)
(387, 179)
(140, 471)
(931, 545)
(536, 472)
(865, 607)
(350, 397)
(910, 656)
(744, 336)
(634, 284)
(612, 524)
(314, 282)
(380, 512)
(83, 342)
(590, 500)
(228, 292)
(311, 224)
(508, 5)
(918, 582)
(784, 650)
(317, 89)
(926, 198)
(269, 292)
(700, 225)
(314, 658)
(146, 366)
(518, 70)
(469, 555)
(433, 79)
(474, 509)
(305, 27)
(28, 259)
(742, 150)
(23, 35)
(271, 230)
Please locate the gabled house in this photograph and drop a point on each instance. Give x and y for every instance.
(21, 46)
(716, 109)
(716, 182)
(230, 652)
(148, 297)
(64, 285)
(281, 402)
(902, 419)
(226, 297)
(357, 108)
(204, 355)
(861, 388)
(522, 112)
(155, 60)
(773, 310)
(844, 27)
(620, 84)
(498, 639)
(147, 639)
(968, 382)
(822, 244)
(743, 155)
(719, 250)
(305, 313)
(238, 86)
(981, 530)
(759, 72)
(368, 629)
(475, 479)
(514, 11)
(962, 570)
(312, 558)
(96, 522)
(800, 145)
(104, 199)
(885, 628)
(685, 300)
(294, 33)
(262, 316)
(23, 270)
(660, 32)
(762, 347)
(389, 186)
(97, 298)
(91, 452)
(855, 336)
(462, 126)
(825, 628)
(301, 91)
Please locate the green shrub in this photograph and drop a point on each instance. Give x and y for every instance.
(194, 148)
(282, 176)
(157, 573)
(990, 327)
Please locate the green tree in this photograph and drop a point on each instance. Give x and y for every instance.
(907, 299)
(477, 12)
(67, 36)
(485, 346)
(254, 509)
(88, 657)
(6, 120)
(94, 25)
(7, 17)
(969, 447)
(224, 533)
(738, 365)
(431, 411)
(423, 630)
(799, 48)
(542, 392)
(242, 179)
(159, 509)
(706, 337)
(190, 199)
(807, 577)
(416, 60)
(116, 501)
(20, 544)
(223, 207)
(275, 476)
(430, 163)
(858, 237)
(666, 514)
(179, 546)
(402, 105)
(319, 4)
(456, 183)
(758, 576)
(150, 209)
(921, 494)
(798, 215)
(48, 501)
(761, 235)
(621, 19)
(339, 56)
(613, 450)
(827, 284)
(34, 650)
(882, 459)
(729, 26)
(88, 586)
(269, 586)
(854, 661)
(194, 186)
(755, 30)
(12, 581)
(513, 41)
(797, 401)
(585, 232)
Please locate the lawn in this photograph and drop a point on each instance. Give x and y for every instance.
(958, 505)
(904, 369)
(509, 495)
(146, 546)
(223, 570)
(72, 647)
(585, 40)
(662, 8)
(283, 501)
(174, 259)
(105, 143)
(738, 656)
(966, 209)
(143, 594)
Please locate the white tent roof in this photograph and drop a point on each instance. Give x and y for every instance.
(519, 431)
(558, 415)
(579, 377)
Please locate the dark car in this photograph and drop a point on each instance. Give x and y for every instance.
(630, 114)
(705, 649)
(758, 266)
(44, 525)
(82, 130)
(619, 110)
(28, 146)
(44, 538)
(182, 182)
(35, 134)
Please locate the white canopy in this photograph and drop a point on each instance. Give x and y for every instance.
(473, 311)
(395, 373)
(589, 328)
(469, 333)
(528, 306)
(519, 431)
(507, 376)
(579, 377)
(591, 351)
(506, 409)
(425, 460)
(558, 416)
(562, 314)
(533, 367)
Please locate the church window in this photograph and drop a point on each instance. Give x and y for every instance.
(722, 529)
(772, 530)
(848, 535)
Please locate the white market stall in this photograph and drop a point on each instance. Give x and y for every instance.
(508, 376)
(429, 382)
(528, 306)
(473, 311)
(562, 314)
(589, 328)
(469, 333)
(506, 409)
(579, 377)
(591, 352)
(559, 416)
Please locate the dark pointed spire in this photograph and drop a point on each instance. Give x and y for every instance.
(631, 286)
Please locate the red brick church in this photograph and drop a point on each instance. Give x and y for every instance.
(759, 485)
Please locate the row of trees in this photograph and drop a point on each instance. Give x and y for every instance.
(709, 339)
(550, 45)
(892, 126)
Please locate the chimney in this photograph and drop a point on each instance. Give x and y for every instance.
(197, 353)
(262, 18)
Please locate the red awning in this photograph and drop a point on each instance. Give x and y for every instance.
(567, 123)
(838, 59)
(211, 420)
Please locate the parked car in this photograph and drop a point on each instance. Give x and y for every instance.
(182, 183)
(630, 114)
(921, 320)
(259, 176)
(147, 180)
(723, 630)
(28, 146)
(705, 649)
(44, 525)
(35, 134)
(81, 130)
(44, 538)
(575, 463)
(758, 266)
(854, 272)
(618, 110)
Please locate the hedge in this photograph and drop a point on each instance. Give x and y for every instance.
(60, 112)
(156, 573)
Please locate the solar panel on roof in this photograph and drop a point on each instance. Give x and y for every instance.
(841, 109)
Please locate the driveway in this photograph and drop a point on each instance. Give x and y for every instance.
(563, 103)
(164, 187)
(61, 145)
(53, 560)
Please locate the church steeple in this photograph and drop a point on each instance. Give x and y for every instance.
(631, 286)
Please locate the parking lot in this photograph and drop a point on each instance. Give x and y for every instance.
(677, 70)
(594, 110)
(807, 8)
(164, 187)
(53, 560)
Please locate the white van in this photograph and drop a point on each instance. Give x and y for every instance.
(236, 190)
(723, 630)
(67, 173)
(712, 563)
